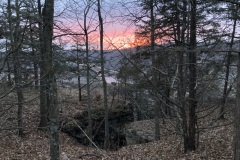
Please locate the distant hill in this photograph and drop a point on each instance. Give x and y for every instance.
(112, 57)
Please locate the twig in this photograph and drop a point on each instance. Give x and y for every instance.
(89, 154)
(98, 149)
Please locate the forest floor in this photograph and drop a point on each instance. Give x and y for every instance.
(215, 138)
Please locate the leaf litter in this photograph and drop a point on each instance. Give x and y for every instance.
(214, 142)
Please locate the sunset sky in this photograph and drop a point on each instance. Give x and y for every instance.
(118, 32)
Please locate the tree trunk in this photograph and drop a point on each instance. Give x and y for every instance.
(9, 73)
(14, 38)
(79, 77)
(228, 63)
(48, 12)
(17, 70)
(155, 73)
(89, 98)
(167, 98)
(35, 67)
(9, 79)
(43, 83)
(180, 35)
(106, 139)
(34, 59)
(192, 81)
(236, 134)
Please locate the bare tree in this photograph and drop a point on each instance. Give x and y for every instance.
(86, 22)
(155, 74)
(228, 88)
(79, 75)
(15, 49)
(236, 133)
(89, 99)
(180, 39)
(191, 142)
(47, 15)
(43, 93)
(106, 139)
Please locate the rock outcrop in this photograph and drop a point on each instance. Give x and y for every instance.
(118, 117)
(139, 132)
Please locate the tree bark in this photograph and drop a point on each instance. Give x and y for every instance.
(89, 98)
(48, 12)
(236, 134)
(106, 139)
(228, 63)
(192, 81)
(43, 83)
(180, 35)
(9, 73)
(14, 40)
(17, 70)
(155, 73)
(35, 59)
(79, 77)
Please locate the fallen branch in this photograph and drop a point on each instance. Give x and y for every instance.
(98, 149)
(89, 154)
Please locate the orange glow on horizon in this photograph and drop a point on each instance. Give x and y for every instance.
(112, 40)
(116, 36)
(118, 41)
